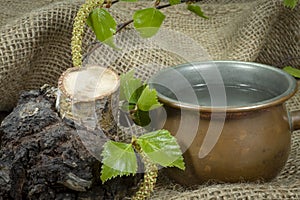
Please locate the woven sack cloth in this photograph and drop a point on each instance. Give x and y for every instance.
(35, 49)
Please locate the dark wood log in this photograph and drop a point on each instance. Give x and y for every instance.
(42, 156)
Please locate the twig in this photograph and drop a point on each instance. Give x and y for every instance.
(158, 7)
(109, 3)
(163, 6)
(288, 60)
(121, 26)
(113, 2)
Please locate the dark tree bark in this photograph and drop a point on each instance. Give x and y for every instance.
(42, 157)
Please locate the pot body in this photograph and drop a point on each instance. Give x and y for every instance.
(229, 118)
(252, 145)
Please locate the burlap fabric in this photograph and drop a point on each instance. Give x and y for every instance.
(35, 49)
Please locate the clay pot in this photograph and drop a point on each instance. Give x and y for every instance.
(229, 118)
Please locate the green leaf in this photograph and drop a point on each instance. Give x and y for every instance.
(162, 148)
(109, 173)
(128, 86)
(103, 25)
(292, 71)
(118, 159)
(130, 0)
(290, 3)
(148, 21)
(137, 94)
(174, 2)
(148, 100)
(197, 10)
(141, 118)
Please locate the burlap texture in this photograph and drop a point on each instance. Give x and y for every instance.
(35, 49)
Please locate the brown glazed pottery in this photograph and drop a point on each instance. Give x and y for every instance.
(229, 118)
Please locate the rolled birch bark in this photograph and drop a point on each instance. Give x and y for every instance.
(89, 96)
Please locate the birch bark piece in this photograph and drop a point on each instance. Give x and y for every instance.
(89, 96)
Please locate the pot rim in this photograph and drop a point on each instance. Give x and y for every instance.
(279, 99)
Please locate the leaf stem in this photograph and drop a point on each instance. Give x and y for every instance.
(157, 2)
(133, 134)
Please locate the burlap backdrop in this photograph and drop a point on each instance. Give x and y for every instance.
(35, 49)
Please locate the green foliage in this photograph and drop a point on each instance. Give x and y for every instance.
(197, 10)
(118, 160)
(148, 100)
(148, 21)
(137, 93)
(162, 148)
(103, 25)
(290, 3)
(292, 71)
(141, 118)
(128, 86)
(158, 147)
(138, 98)
(174, 2)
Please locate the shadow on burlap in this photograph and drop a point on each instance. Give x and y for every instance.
(35, 49)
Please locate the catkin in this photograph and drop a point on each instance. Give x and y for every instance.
(150, 176)
(78, 29)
